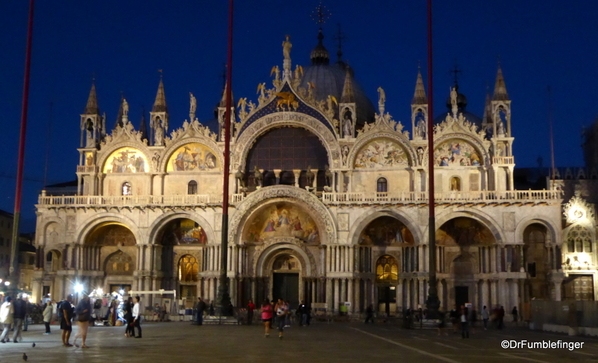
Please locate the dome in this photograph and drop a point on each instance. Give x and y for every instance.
(462, 108)
(329, 79)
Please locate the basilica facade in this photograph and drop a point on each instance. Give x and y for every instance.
(328, 202)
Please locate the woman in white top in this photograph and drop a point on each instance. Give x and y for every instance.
(136, 317)
(6, 317)
(48, 311)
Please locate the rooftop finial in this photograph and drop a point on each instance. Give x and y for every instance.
(455, 71)
(321, 14)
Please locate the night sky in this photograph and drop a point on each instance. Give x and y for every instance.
(124, 44)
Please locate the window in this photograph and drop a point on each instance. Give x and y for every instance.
(126, 189)
(382, 185)
(188, 269)
(455, 184)
(387, 269)
(192, 187)
(579, 239)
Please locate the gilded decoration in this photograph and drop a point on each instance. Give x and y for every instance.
(281, 219)
(119, 263)
(381, 154)
(192, 157)
(384, 231)
(462, 231)
(457, 152)
(184, 232)
(126, 160)
(310, 204)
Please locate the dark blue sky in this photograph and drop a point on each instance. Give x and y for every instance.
(124, 43)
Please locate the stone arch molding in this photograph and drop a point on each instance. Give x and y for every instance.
(309, 201)
(551, 236)
(483, 218)
(280, 119)
(164, 219)
(263, 253)
(92, 222)
(364, 220)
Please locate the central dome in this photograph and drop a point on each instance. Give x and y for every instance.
(329, 79)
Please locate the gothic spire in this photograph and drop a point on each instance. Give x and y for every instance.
(92, 102)
(160, 102)
(500, 89)
(348, 96)
(143, 125)
(419, 96)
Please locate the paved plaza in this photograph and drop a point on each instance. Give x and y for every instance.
(320, 342)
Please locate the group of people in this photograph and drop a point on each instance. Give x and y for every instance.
(280, 313)
(13, 314)
(466, 318)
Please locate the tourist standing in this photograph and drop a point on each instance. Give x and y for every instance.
(267, 313)
(128, 315)
(48, 311)
(6, 318)
(515, 313)
(66, 316)
(369, 314)
(464, 323)
(137, 317)
(485, 317)
(250, 308)
(200, 308)
(83, 311)
(501, 317)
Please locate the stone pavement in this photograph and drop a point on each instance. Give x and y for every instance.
(320, 342)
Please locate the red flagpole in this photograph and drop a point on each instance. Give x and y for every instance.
(223, 288)
(21, 157)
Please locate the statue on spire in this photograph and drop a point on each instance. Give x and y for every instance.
(286, 48)
(192, 106)
(381, 100)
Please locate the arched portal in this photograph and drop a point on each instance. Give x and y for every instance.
(461, 242)
(175, 237)
(387, 276)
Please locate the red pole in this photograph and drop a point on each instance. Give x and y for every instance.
(433, 303)
(223, 288)
(21, 157)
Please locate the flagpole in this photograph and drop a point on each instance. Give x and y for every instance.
(21, 157)
(223, 288)
(432, 303)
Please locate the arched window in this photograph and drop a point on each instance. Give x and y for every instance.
(192, 187)
(455, 184)
(579, 239)
(387, 269)
(188, 269)
(126, 189)
(382, 185)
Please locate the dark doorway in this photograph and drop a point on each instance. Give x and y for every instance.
(286, 287)
(386, 296)
(461, 295)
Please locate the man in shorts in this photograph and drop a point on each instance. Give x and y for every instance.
(66, 306)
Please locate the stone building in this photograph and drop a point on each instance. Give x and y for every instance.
(328, 201)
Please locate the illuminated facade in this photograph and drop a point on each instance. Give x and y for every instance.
(328, 202)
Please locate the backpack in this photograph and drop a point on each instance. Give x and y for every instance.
(59, 311)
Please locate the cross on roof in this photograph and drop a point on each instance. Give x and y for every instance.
(321, 14)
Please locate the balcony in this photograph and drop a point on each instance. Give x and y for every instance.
(400, 198)
(503, 160)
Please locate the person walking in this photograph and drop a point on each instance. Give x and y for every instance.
(48, 311)
(250, 309)
(6, 317)
(20, 311)
(83, 311)
(66, 311)
(267, 313)
(485, 317)
(282, 310)
(137, 317)
(128, 315)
